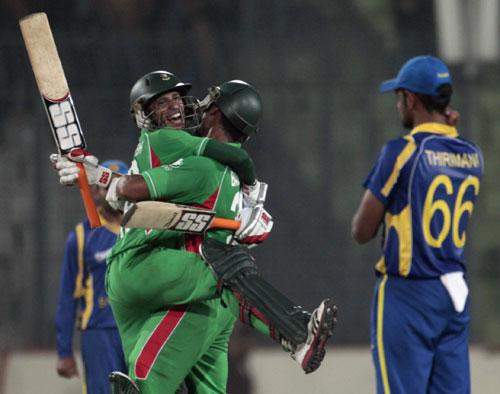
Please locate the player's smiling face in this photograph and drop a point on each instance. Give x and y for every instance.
(168, 110)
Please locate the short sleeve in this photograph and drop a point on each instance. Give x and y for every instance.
(388, 166)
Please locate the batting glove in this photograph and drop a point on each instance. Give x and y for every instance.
(256, 225)
(68, 170)
(112, 196)
(254, 195)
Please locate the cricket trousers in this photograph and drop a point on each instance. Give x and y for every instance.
(101, 354)
(419, 342)
(172, 323)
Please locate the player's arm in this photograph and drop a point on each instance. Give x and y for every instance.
(236, 158)
(379, 186)
(367, 219)
(189, 145)
(129, 188)
(169, 182)
(66, 310)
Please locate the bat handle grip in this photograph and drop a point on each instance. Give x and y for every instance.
(88, 201)
(227, 224)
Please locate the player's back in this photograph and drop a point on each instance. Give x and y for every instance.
(443, 183)
(196, 181)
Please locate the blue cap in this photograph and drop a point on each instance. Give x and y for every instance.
(116, 166)
(421, 74)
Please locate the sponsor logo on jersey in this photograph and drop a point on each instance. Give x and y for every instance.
(175, 164)
(101, 255)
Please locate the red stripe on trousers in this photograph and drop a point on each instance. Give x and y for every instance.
(157, 340)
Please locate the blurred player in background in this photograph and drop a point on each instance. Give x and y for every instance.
(422, 190)
(82, 293)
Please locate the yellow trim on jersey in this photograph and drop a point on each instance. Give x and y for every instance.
(436, 128)
(89, 301)
(400, 162)
(402, 224)
(380, 265)
(113, 227)
(80, 242)
(380, 335)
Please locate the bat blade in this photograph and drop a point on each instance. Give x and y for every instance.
(56, 97)
(167, 216)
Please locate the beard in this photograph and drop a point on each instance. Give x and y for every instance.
(407, 123)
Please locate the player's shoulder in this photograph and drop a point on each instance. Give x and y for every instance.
(170, 133)
(396, 145)
(203, 163)
(469, 143)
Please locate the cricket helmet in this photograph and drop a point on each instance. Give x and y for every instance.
(150, 86)
(239, 102)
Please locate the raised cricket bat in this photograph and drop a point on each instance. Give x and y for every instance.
(168, 216)
(56, 97)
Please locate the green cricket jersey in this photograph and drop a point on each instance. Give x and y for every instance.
(190, 180)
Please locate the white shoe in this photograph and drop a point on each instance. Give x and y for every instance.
(320, 328)
(122, 384)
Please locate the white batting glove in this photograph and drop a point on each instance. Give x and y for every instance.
(254, 195)
(256, 225)
(112, 196)
(68, 170)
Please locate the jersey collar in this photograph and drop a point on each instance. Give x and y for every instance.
(436, 128)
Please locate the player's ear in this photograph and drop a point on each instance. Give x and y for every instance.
(412, 100)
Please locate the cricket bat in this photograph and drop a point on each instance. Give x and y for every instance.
(56, 97)
(167, 216)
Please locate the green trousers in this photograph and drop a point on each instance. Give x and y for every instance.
(171, 319)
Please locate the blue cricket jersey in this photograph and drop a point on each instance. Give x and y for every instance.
(428, 181)
(82, 288)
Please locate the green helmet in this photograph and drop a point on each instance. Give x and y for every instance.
(153, 84)
(147, 88)
(239, 102)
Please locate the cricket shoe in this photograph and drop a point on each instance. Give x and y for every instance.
(319, 329)
(122, 384)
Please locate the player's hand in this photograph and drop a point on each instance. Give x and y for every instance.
(452, 117)
(254, 195)
(69, 171)
(66, 367)
(256, 225)
(112, 196)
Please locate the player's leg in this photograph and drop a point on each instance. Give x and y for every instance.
(302, 333)
(403, 325)
(451, 370)
(173, 277)
(169, 344)
(210, 373)
(101, 354)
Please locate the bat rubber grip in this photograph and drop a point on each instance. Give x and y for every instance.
(88, 201)
(227, 224)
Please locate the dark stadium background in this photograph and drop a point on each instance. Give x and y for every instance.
(317, 64)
